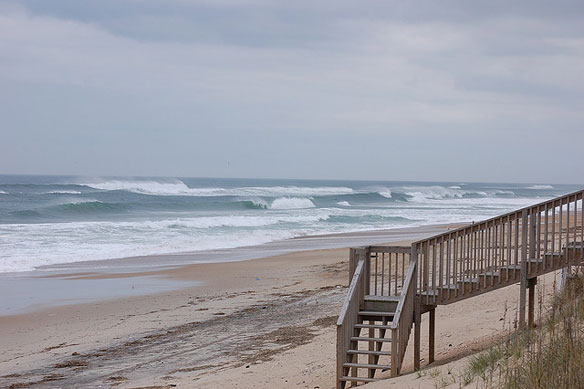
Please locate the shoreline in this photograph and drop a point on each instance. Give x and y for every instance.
(104, 279)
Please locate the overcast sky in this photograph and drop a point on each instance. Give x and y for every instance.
(389, 90)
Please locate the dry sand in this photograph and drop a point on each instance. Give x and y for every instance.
(261, 323)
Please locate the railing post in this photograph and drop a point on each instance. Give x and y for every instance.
(395, 357)
(523, 283)
(352, 263)
(367, 258)
(531, 312)
(417, 311)
(532, 237)
(431, 331)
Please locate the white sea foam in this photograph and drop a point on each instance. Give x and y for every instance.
(344, 204)
(454, 187)
(292, 203)
(179, 188)
(78, 201)
(428, 193)
(70, 192)
(2, 192)
(385, 193)
(536, 187)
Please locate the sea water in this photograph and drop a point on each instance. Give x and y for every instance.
(46, 220)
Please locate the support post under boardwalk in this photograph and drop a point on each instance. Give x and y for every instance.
(531, 312)
(417, 332)
(417, 311)
(523, 283)
(431, 331)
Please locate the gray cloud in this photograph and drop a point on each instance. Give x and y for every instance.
(385, 90)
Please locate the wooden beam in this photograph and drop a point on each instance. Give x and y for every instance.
(431, 335)
(523, 283)
(531, 314)
(417, 332)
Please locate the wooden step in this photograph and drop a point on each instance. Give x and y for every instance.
(379, 326)
(376, 313)
(369, 352)
(575, 245)
(366, 339)
(511, 267)
(358, 379)
(392, 299)
(366, 366)
(535, 260)
(494, 274)
(554, 255)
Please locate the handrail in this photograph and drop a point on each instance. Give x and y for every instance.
(517, 213)
(403, 319)
(349, 316)
(402, 297)
(351, 293)
(487, 254)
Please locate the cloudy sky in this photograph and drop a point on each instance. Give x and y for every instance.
(390, 90)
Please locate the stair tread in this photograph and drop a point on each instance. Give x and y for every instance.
(511, 267)
(366, 365)
(490, 274)
(554, 254)
(469, 281)
(379, 326)
(382, 298)
(367, 339)
(363, 379)
(575, 244)
(369, 352)
(376, 313)
(446, 287)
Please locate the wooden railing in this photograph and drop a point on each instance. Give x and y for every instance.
(471, 259)
(379, 271)
(350, 313)
(403, 319)
(459, 264)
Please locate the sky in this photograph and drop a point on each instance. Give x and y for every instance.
(488, 91)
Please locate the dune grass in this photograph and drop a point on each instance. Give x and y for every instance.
(548, 356)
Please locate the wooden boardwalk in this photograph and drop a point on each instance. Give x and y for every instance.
(391, 287)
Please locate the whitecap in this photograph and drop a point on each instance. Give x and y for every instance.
(70, 192)
(385, 193)
(177, 187)
(539, 187)
(292, 203)
(344, 204)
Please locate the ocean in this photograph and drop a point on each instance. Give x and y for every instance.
(46, 220)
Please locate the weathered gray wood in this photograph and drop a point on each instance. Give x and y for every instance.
(531, 315)
(453, 266)
(431, 335)
(523, 284)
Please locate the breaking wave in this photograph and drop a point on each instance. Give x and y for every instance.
(292, 203)
(540, 187)
(70, 192)
(178, 188)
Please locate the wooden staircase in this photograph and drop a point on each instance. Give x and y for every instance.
(370, 347)
(391, 286)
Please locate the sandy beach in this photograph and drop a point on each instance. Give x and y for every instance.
(265, 323)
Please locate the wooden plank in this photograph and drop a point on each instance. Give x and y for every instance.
(523, 285)
(531, 285)
(431, 335)
(390, 249)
